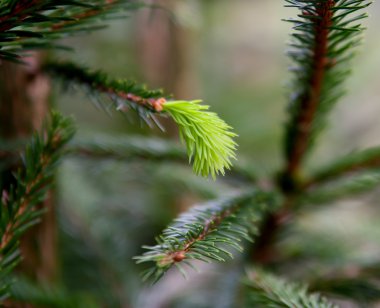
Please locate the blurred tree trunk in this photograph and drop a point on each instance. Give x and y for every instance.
(165, 49)
(24, 103)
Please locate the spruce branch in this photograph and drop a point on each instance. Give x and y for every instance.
(322, 47)
(266, 290)
(209, 140)
(124, 94)
(17, 212)
(360, 161)
(353, 174)
(26, 25)
(207, 232)
(25, 291)
(342, 188)
(358, 282)
(364, 290)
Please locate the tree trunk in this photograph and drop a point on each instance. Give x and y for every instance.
(165, 50)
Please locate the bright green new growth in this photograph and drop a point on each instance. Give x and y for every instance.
(209, 140)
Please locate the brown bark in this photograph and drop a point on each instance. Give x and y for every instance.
(24, 103)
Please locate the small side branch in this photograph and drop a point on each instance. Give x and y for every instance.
(27, 25)
(117, 90)
(366, 160)
(206, 231)
(266, 290)
(209, 140)
(17, 206)
(41, 155)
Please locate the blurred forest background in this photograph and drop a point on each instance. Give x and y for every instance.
(231, 55)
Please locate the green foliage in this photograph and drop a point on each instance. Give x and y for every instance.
(205, 231)
(27, 25)
(124, 94)
(208, 138)
(361, 161)
(360, 289)
(324, 39)
(355, 173)
(17, 205)
(24, 291)
(322, 46)
(342, 188)
(266, 290)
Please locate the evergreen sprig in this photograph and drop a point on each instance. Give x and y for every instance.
(207, 232)
(353, 174)
(17, 211)
(125, 94)
(209, 140)
(364, 290)
(360, 161)
(28, 25)
(25, 291)
(266, 290)
(326, 32)
(341, 188)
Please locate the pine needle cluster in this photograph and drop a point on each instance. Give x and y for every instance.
(206, 232)
(266, 290)
(209, 140)
(30, 25)
(18, 211)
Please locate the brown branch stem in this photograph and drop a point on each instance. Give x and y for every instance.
(86, 14)
(311, 99)
(18, 10)
(264, 251)
(209, 226)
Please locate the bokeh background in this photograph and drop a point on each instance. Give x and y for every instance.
(231, 54)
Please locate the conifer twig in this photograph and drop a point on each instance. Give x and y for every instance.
(17, 13)
(310, 99)
(359, 282)
(209, 140)
(368, 159)
(203, 232)
(266, 290)
(26, 25)
(325, 34)
(17, 211)
(140, 98)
